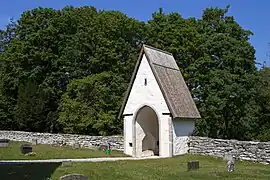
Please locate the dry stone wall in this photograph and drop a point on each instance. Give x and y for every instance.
(116, 142)
(243, 150)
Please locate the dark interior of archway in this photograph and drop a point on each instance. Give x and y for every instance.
(148, 121)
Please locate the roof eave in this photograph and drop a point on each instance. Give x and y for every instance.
(189, 117)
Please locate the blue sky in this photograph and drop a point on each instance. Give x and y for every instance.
(250, 14)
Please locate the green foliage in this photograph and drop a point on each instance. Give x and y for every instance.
(263, 100)
(90, 105)
(67, 70)
(51, 48)
(218, 65)
(31, 110)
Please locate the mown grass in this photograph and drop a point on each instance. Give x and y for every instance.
(12, 152)
(170, 168)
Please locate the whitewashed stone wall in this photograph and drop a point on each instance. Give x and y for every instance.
(117, 142)
(180, 145)
(141, 95)
(244, 150)
(182, 129)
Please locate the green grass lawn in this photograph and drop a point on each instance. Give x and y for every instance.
(12, 152)
(170, 168)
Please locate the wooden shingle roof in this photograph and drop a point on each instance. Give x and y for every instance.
(170, 81)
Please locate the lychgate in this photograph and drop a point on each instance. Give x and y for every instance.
(158, 111)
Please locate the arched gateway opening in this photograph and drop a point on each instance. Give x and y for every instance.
(146, 133)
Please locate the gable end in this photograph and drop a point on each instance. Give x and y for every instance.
(170, 82)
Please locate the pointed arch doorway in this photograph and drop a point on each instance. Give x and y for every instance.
(146, 133)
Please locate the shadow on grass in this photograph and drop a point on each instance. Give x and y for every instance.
(27, 171)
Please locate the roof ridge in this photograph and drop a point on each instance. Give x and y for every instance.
(151, 47)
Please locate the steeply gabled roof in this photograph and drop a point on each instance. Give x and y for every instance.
(170, 81)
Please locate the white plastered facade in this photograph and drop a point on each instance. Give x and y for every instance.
(173, 134)
(182, 129)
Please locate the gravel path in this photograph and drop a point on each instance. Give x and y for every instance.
(76, 160)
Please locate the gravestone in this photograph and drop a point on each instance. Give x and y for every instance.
(74, 177)
(26, 148)
(4, 142)
(230, 162)
(230, 166)
(76, 145)
(227, 156)
(34, 142)
(193, 165)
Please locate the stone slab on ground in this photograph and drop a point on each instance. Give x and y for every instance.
(147, 153)
(74, 177)
(67, 163)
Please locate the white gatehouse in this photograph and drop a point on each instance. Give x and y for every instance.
(158, 111)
